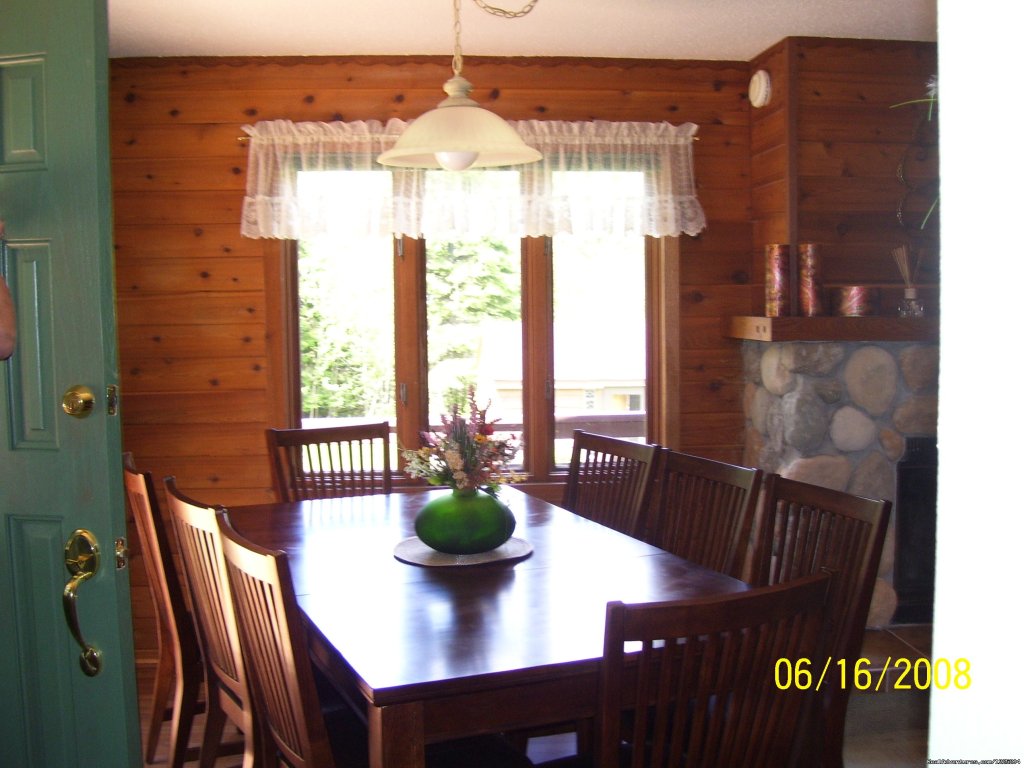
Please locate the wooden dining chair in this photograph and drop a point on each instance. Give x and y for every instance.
(322, 462)
(229, 695)
(704, 510)
(179, 671)
(695, 682)
(609, 480)
(805, 528)
(277, 655)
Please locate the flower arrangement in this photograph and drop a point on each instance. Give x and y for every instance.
(464, 455)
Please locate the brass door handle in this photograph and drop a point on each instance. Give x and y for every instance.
(82, 559)
(78, 401)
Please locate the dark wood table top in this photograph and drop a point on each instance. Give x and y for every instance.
(410, 633)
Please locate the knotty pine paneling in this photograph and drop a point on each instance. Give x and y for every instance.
(178, 176)
(848, 112)
(196, 300)
(168, 374)
(834, 132)
(195, 341)
(849, 159)
(865, 59)
(220, 173)
(300, 74)
(772, 185)
(193, 274)
(208, 407)
(182, 206)
(154, 142)
(190, 309)
(205, 241)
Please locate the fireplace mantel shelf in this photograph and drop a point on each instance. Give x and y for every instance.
(872, 328)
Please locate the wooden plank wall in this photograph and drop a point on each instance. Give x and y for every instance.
(825, 154)
(195, 299)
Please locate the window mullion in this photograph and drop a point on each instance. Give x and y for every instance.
(538, 357)
(410, 340)
(663, 363)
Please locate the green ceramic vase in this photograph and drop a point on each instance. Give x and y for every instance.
(465, 522)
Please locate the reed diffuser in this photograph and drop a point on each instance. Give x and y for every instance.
(910, 305)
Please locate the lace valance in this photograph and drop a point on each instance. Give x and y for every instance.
(284, 199)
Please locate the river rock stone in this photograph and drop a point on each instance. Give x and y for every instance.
(825, 470)
(871, 377)
(829, 390)
(813, 359)
(760, 404)
(852, 429)
(805, 419)
(874, 477)
(917, 415)
(752, 351)
(892, 442)
(920, 367)
(753, 448)
(776, 377)
(841, 422)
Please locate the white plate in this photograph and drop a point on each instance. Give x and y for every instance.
(414, 551)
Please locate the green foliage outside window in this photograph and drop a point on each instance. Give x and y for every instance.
(346, 372)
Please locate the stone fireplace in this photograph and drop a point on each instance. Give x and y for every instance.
(840, 414)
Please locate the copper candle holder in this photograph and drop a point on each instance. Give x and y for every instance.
(812, 302)
(855, 301)
(776, 280)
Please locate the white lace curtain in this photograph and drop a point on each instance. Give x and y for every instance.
(527, 201)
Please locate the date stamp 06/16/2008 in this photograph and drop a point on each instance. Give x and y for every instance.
(864, 674)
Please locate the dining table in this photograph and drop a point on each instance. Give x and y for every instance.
(443, 651)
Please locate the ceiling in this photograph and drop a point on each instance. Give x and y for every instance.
(732, 30)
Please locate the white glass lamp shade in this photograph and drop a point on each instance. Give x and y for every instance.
(458, 134)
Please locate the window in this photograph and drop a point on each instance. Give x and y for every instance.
(550, 331)
(592, 339)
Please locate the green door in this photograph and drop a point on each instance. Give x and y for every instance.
(59, 472)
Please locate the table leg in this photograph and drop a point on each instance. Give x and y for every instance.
(396, 736)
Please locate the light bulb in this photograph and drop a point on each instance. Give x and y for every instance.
(456, 161)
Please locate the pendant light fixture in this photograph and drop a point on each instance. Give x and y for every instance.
(459, 133)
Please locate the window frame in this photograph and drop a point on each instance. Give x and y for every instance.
(661, 260)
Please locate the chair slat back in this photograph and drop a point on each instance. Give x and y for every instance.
(701, 687)
(705, 510)
(609, 480)
(157, 556)
(324, 462)
(274, 641)
(177, 632)
(805, 528)
(199, 542)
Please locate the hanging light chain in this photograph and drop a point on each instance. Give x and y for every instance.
(506, 14)
(457, 7)
(457, 56)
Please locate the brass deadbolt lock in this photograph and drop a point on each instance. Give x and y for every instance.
(78, 401)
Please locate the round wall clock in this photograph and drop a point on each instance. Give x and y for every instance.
(760, 89)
